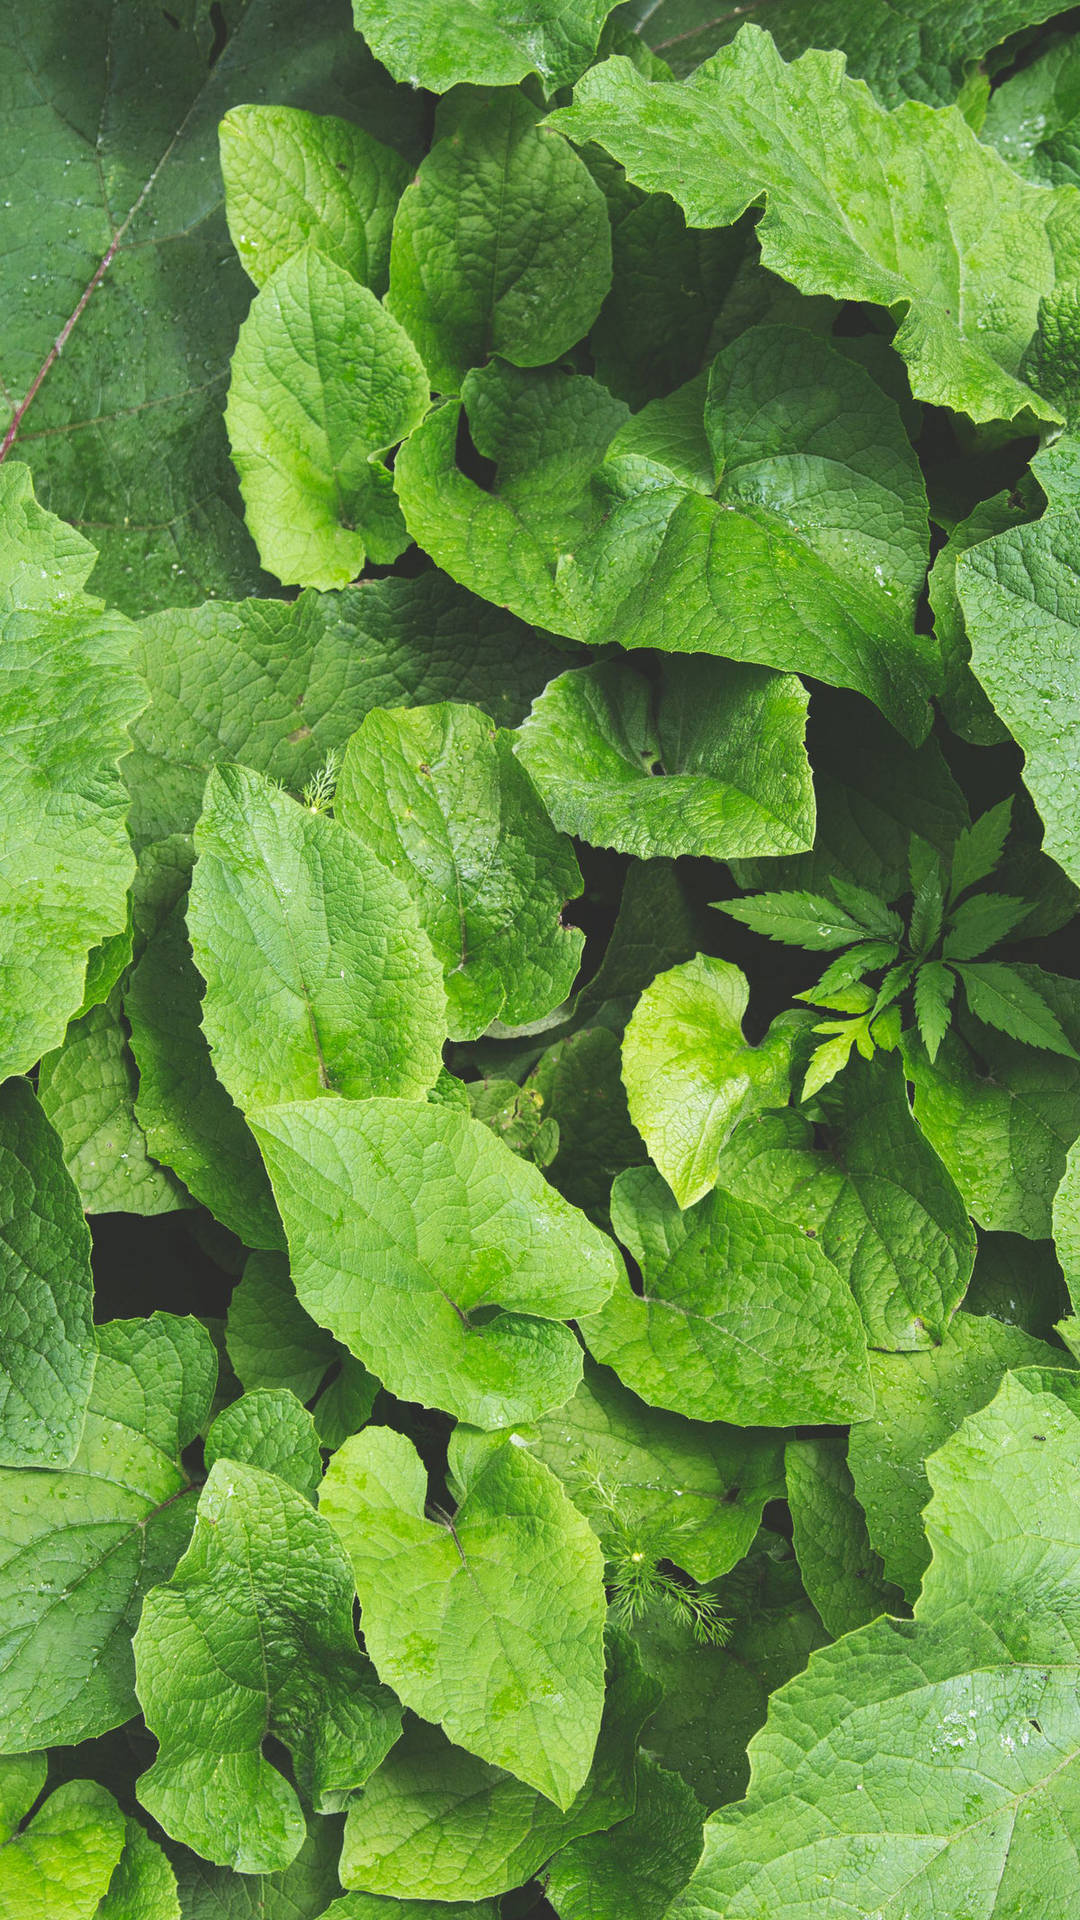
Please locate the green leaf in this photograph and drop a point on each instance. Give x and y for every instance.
(874, 1193)
(501, 244)
(1066, 1223)
(268, 1428)
(690, 1076)
(1031, 116)
(253, 1635)
(190, 1122)
(935, 986)
(979, 848)
(46, 1291)
(65, 1857)
(657, 926)
(302, 1891)
(832, 1056)
(369, 1906)
(68, 698)
(438, 795)
(960, 1727)
(632, 1871)
(726, 742)
(22, 1777)
(1012, 1000)
(481, 44)
(905, 205)
(324, 381)
(144, 1884)
(405, 1283)
(345, 1404)
(436, 1823)
(742, 1317)
(87, 1089)
(693, 1493)
(318, 973)
(295, 179)
(106, 1529)
(579, 1082)
(922, 1398)
(808, 920)
(962, 699)
(516, 1572)
(272, 1342)
(842, 1572)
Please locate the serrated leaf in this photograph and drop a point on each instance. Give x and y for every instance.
(294, 179)
(719, 770)
(106, 1529)
(847, 969)
(253, 1634)
(438, 795)
(501, 244)
(632, 1871)
(1011, 999)
(840, 1569)
(742, 1318)
(742, 130)
(61, 1863)
(324, 381)
(355, 1182)
(935, 986)
(484, 44)
(796, 919)
(979, 848)
(873, 914)
(981, 922)
(318, 973)
(268, 1428)
(271, 1340)
(87, 1090)
(689, 1074)
(490, 1622)
(831, 1057)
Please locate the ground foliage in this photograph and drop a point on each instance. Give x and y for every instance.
(540, 1015)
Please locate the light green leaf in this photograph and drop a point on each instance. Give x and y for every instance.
(271, 1340)
(60, 1865)
(797, 919)
(929, 1765)
(324, 382)
(690, 1076)
(871, 1189)
(294, 179)
(302, 1891)
(407, 1281)
(254, 1635)
(1031, 116)
(922, 1399)
(897, 208)
(1012, 1000)
(144, 1884)
(482, 43)
(579, 1082)
(87, 1089)
(742, 1318)
(934, 988)
(695, 1493)
(46, 1291)
(658, 926)
(319, 976)
(105, 1530)
(438, 796)
(436, 1823)
(270, 1429)
(346, 1402)
(516, 1114)
(1066, 1222)
(841, 1571)
(632, 1871)
(67, 699)
(22, 1777)
(491, 1622)
(370, 1906)
(726, 740)
(501, 244)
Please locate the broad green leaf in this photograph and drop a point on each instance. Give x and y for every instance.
(88, 1089)
(295, 179)
(1012, 1000)
(491, 1622)
(501, 244)
(253, 1635)
(324, 382)
(303, 1890)
(407, 1223)
(68, 696)
(22, 1777)
(371, 1906)
(726, 742)
(46, 1291)
(143, 1886)
(840, 1569)
(899, 209)
(929, 1765)
(61, 1863)
(1067, 1222)
(271, 1340)
(962, 699)
(579, 1082)
(1002, 1116)
(742, 1317)
(1022, 611)
(189, 1121)
(658, 926)
(104, 1530)
(632, 1871)
(690, 1076)
(1018, 1281)
(1031, 117)
(516, 1114)
(870, 1188)
(436, 1823)
(319, 976)
(438, 795)
(922, 1399)
(345, 1403)
(484, 42)
(268, 1428)
(694, 1493)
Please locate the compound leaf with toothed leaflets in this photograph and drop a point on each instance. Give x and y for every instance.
(410, 1283)
(484, 42)
(490, 1623)
(319, 976)
(88, 1089)
(80, 1547)
(896, 208)
(324, 382)
(438, 795)
(253, 1635)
